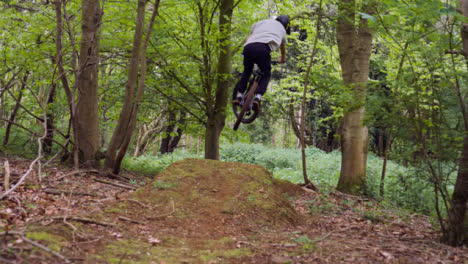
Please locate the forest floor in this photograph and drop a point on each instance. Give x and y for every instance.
(200, 211)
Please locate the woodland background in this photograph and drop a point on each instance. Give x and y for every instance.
(137, 85)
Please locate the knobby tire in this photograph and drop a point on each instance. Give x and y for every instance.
(246, 105)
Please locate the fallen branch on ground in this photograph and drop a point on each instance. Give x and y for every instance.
(67, 192)
(31, 167)
(140, 203)
(115, 184)
(34, 243)
(118, 177)
(123, 218)
(77, 172)
(83, 220)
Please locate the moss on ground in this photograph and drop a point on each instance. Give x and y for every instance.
(201, 186)
(54, 242)
(171, 250)
(196, 208)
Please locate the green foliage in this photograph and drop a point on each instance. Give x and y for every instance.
(154, 164)
(240, 152)
(407, 187)
(21, 143)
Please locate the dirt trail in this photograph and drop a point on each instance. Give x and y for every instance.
(202, 211)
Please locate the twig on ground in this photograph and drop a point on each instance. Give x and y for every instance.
(117, 177)
(123, 218)
(90, 241)
(77, 172)
(283, 245)
(31, 167)
(140, 203)
(34, 243)
(75, 230)
(67, 192)
(323, 237)
(83, 220)
(115, 184)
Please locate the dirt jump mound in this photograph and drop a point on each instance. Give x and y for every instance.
(221, 195)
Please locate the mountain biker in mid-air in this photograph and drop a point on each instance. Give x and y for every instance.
(265, 36)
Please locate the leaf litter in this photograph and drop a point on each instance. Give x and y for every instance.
(201, 211)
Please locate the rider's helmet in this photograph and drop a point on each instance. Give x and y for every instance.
(284, 20)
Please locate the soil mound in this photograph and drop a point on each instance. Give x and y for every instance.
(214, 193)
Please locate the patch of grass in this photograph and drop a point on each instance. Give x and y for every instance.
(307, 243)
(325, 208)
(374, 216)
(209, 255)
(161, 185)
(53, 242)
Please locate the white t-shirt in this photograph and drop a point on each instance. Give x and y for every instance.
(269, 31)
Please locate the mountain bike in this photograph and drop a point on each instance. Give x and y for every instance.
(245, 111)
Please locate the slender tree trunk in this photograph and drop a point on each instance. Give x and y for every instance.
(216, 119)
(354, 46)
(388, 142)
(296, 124)
(304, 101)
(15, 110)
(63, 78)
(87, 83)
(127, 121)
(50, 120)
(179, 131)
(170, 125)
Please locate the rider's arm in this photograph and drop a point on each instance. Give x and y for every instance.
(283, 53)
(247, 38)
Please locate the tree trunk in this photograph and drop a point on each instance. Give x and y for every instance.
(354, 46)
(456, 229)
(179, 131)
(304, 99)
(170, 125)
(217, 116)
(63, 78)
(15, 110)
(457, 232)
(127, 121)
(50, 120)
(87, 83)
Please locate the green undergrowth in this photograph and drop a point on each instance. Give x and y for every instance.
(151, 165)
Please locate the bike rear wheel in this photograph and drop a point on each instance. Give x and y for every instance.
(245, 111)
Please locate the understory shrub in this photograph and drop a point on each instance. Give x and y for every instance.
(150, 164)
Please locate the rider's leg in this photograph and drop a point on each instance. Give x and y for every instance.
(248, 53)
(264, 63)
